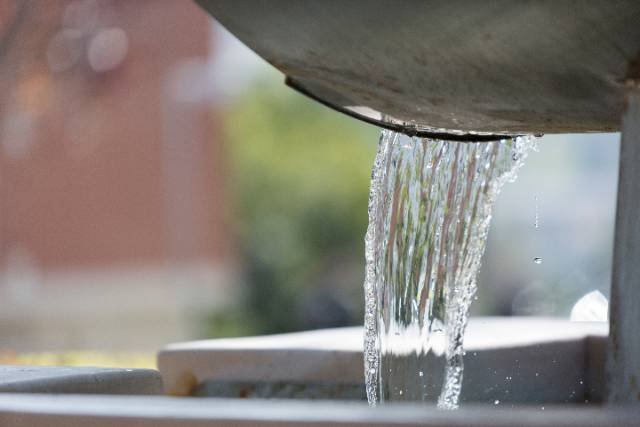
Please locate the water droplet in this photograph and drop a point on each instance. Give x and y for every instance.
(537, 374)
(400, 392)
(537, 260)
(372, 371)
(496, 402)
(542, 408)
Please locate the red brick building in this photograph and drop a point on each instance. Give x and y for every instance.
(113, 214)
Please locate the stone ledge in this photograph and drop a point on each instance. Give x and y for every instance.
(111, 411)
(532, 352)
(79, 380)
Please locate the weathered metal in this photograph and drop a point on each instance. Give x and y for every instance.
(498, 66)
(623, 364)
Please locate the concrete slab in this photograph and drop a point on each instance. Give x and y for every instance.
(159, 411)
(80, 380)
(513, 360)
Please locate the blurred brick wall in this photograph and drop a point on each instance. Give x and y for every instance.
(112, 193)
(88, 175)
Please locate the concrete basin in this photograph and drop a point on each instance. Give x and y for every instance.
(511, 360)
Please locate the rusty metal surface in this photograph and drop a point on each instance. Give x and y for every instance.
(498, 66)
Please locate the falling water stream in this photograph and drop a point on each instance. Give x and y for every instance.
(429, 212)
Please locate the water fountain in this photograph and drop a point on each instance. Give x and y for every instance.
(467, 71)
(429, 216)
(459, 72)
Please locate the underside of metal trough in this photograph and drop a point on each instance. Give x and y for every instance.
(498, 66)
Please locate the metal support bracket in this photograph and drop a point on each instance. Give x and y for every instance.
(623, 357)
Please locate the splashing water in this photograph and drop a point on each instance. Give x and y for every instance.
(429, 212)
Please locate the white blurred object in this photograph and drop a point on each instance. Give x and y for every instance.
(593, 307)
(108, 49)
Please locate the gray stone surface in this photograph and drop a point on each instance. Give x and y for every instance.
(280, 390)
(111, 411)
(79, 380)
(513, 360)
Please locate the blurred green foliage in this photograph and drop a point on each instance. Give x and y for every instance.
(300, 181)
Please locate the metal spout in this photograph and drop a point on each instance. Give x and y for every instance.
(461, 69)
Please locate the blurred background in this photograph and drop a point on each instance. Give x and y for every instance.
(159, 183)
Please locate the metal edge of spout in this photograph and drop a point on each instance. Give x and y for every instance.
(525, 68)
(386, 122)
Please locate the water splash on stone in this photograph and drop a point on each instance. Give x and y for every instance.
(429, 212)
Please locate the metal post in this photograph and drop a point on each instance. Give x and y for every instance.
(623, 359)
